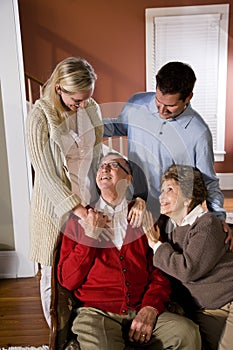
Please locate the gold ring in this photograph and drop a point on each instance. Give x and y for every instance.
(143, 335)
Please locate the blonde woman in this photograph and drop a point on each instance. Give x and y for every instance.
(64, 136)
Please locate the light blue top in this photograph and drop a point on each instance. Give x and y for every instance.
(155, 143)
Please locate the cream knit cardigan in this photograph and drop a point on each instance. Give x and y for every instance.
(52, 198)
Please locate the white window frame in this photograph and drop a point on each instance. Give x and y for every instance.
(221, 10)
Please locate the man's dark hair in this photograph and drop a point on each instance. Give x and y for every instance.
(176, 77)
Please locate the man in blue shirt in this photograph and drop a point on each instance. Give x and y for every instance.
(163, 129)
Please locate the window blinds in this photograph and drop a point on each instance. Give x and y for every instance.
(197, 35)
(193, 39)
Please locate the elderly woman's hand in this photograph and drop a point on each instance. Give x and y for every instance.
(152, 232)
(136, 213)
(228, 231)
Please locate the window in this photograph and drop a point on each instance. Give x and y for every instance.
(197, 35)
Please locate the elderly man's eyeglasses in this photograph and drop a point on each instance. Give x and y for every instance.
(113, 165)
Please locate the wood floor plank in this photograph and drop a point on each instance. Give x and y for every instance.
(228, 200)
(21, 318)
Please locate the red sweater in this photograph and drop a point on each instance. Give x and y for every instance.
(110, 279)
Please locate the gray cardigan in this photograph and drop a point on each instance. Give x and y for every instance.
(197, 256)
(52, 198)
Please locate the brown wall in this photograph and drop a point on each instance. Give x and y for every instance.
(110, 34)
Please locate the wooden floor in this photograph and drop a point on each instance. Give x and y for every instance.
(228, 200)
(21, 318)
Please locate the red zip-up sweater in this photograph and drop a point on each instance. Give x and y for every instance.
(110, 279)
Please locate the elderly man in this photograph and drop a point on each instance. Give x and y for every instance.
(121, 295)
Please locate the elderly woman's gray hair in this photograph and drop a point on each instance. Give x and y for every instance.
(191, 183)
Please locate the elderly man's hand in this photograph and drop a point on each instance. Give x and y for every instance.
(143, 324)
(136, 213)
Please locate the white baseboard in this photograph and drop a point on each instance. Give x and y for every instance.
(225, 181)
(10, 266)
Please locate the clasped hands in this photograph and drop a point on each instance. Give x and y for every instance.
(96, 223)
(96, 226)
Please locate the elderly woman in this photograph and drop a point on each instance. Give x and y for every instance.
(195, 253)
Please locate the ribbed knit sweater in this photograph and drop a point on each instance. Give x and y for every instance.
(198, 256)
(52, 198)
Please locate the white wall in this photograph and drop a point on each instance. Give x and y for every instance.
(14, 263)
(6, 223)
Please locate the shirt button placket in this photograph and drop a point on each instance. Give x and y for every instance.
(127, 283)
(161, 129)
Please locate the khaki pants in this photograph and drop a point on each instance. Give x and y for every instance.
(217, 327)
(98, 330)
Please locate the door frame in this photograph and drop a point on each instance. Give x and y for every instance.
(15, 263)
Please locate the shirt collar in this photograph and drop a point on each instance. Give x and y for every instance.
(152, 104)
(193, 215)
(107, 209)
(187, 115)
(118, 217)
(184, 118)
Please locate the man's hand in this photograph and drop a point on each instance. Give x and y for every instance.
(228, 231)
(143, 324)
(152, 232)
(136, 213)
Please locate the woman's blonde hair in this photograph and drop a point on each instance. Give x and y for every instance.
(73, 74)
